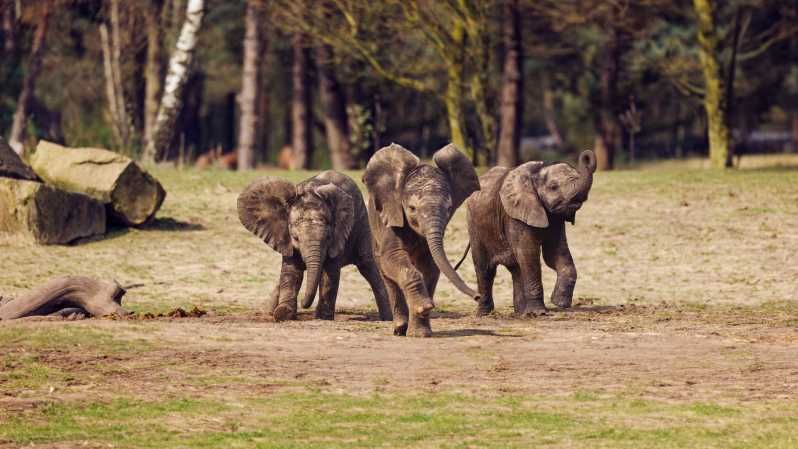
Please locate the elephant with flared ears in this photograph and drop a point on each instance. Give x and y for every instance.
(519, 213)
(318, 226)
(409, 205)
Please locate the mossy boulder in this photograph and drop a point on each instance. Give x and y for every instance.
(48, 215)
(131, 194)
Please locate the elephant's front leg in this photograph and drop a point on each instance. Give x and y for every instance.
(399, 268)
(527, 277)
(328, 293)
(399, 306)
(291, 275)
(558, 257)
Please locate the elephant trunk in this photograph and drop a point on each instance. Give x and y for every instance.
(434, 235)
(587, 165)
(312, 258)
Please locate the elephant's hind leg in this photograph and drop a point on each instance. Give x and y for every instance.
(369, 270)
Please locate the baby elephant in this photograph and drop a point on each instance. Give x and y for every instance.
(319, 225)
(518, 211)
(410, 204)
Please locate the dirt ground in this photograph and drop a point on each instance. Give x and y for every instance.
(686, 292)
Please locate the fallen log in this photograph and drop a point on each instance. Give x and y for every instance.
(12, 166)
(46, 214)
(132, 195)
(66, 296)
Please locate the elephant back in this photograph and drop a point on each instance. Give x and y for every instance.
(489, 184)
(346, 184)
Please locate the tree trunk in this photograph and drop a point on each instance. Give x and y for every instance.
(17, 134)
(454, 97)
(794, 134)
(301, 105)
(97, 298)
(153, 66)
(8, 27)
(512, 106)
(333, 103)
(549, 114)
(715, 100)
(608, 135)
(111, 47)
(176, 79)
(248, 124)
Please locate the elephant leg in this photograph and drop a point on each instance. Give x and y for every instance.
(530, 300)
(419, 324)
(368, 268)
(328, 289)
(399, 306)
(274, 298)
(290, 282)
(398, 267)
(557, 256)
(485, 276)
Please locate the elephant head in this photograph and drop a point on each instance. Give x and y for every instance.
(535, 189)
(314, 218)
(408, 193)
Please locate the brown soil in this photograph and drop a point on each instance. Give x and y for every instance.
(652, 352)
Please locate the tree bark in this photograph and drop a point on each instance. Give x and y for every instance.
(153, 66)
(608, 135)
(8, 27)
(454, 96)
(512, 88)
(301, 105)
(549, 113)
(17, 134)
(97, 298)
(248, 125)
(333, 103)
(111, 47)
(176, 80)
(715, 99)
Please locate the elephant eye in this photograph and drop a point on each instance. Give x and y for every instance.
(412, 209)
(553, 186)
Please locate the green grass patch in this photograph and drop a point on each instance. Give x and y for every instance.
(440, 420)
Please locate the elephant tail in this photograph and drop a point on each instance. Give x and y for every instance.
(465, 253)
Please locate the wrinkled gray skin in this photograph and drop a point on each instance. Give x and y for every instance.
(409, 206)
(520, 213)
(319, 225)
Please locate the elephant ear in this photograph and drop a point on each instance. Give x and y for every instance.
(462, 176)
(520, 198)
(385, 177)
(343, 207)
(263, 210)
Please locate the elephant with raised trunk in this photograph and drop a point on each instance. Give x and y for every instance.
(409, 205)
(519, 213)
(319, 225)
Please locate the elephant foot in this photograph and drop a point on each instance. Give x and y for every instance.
(485, 308)
(325, 316)
(419, 331)
(400, 329)
(562, 301)
(535, 309)
(283, 313)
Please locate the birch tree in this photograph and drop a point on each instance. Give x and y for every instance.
(177, 76)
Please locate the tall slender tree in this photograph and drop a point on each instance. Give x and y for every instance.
(301, 104)
(512, 104)
(153, 68)
(17, 135)
(250, 83)
(177, 76)
(715, 94)
(333, 103)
